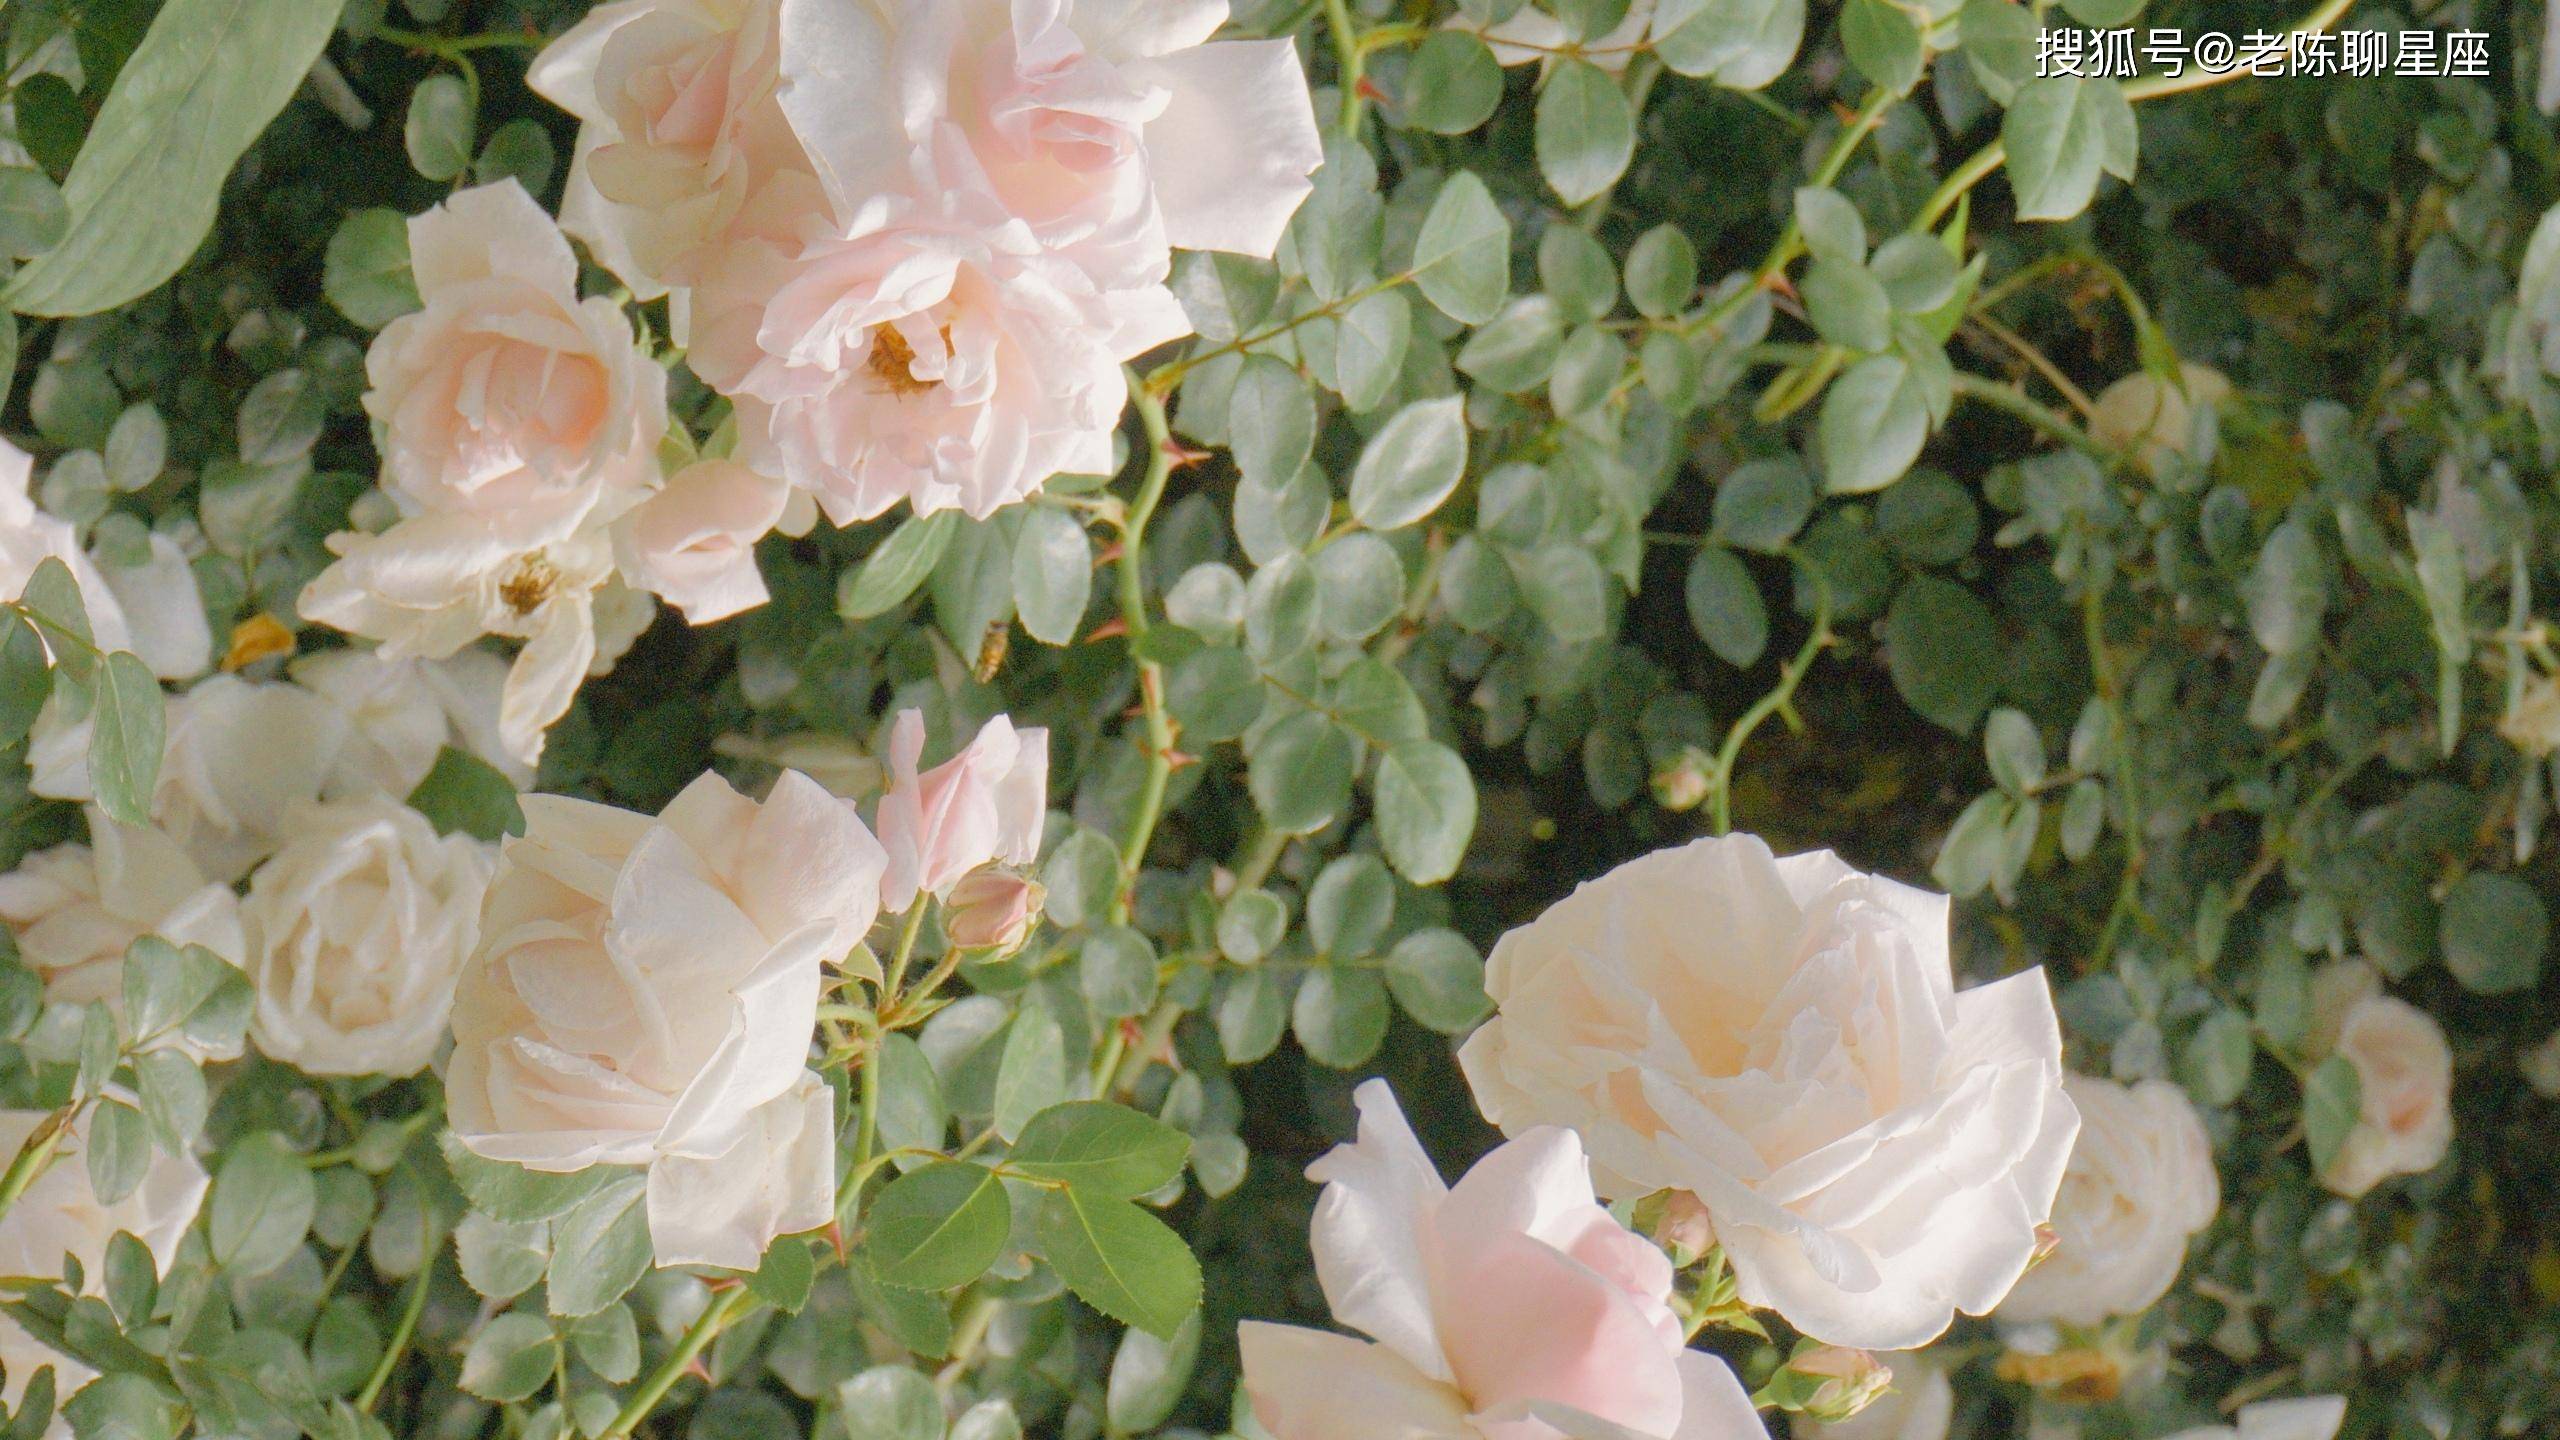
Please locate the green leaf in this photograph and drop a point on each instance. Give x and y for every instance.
(127, 1406)
(52, 599)
(1340, 1015)
(1874, 422)
(1052, 574)
(33, 217)
(1848, 306)
(521, 151)
(2015, 750)
(511, 1358)
(1411, 466)
(1148, 1377)
(117, 1149)
(1833, 230)
(1725, 607)
(1272, 417)
(2061, 132)
(513, 1193)
(1438, 978)
(366, 271)
(1369, 349)
(2332, 1102)
(1763, 503)
(1586, 130)
(203, 84)
(1740, 44)
(444, 122)
(1462, 257)
(600, 1247)
(1662, 272)
(1121, 1260)
(891, 573)
(938, 1227)
(281, 419)
(2215, 1065)
(463, 794)
(263, 1199)
(125, 739)
(2493, 932)
(25, 679)
(1453, 84)
(1350, 906)
(1100, 1148)
(1031, 1074)
(1426, 809)
(1884, 42)
(1116, 973)
(1300, 773)
(1943, 647)
(500, 1259)
(1567, 590)
(890, 1402)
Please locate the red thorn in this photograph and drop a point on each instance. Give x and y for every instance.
(1178, 759)
(1368, 90)
(1112, 552)
(1780, 283)
(1111, 629)
(1183, 455)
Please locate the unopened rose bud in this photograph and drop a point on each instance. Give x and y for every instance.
(992, 910)
(1685, 1229)
(1683, 784)
(1844, 1381)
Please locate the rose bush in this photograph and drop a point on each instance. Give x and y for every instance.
(1288, 719)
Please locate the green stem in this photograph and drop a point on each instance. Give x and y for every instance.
(706, 1327)
(1259, 857)
(1789, 677)
(1133, 614)
(896, 974)
(1791, 239)
(1353, 59)
(410, 1309)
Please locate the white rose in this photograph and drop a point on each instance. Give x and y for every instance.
(75, 909)
(1783, 1039)
(403, 713)
(60, 1215)
(931, 351)
(679, 124)
(2406, 1074)
(694, 543)
(357, 930)
(1114, 130)
(153, 609)
(2141, 1181)
(506, 398)
(430, 586)
(2313, 1417)
(1920, 1406)
(644, 993)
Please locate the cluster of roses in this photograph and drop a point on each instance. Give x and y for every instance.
(1798, 1083)
(911, 243)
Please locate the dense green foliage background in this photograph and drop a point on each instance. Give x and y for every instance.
(2181, 709)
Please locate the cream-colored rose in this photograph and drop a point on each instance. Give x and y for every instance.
(60, 1215)
(2406, 1073)
(153, 609)
(645, 992)
(75, 909)
(930, 351)
(2141, 1181)
(402, 713)
(679, 124)
(507, 399)
(2313, 1417)
(357, 930)
(1783, 1039)
(1920, 1406)
(694, 543)
(2152, 419)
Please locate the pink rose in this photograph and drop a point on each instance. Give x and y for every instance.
(694, 543)
(1110, 128)
(508, 399)
(985, 804)
(932, 353)
(681, 124)
(1511, 1307)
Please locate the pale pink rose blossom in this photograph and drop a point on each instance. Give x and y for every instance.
(694, 543)
(680, 125)
(2405, 1070)
(1115, 129)
(983, 805)
(931, 351)
(507, 399)
(1509, 1307)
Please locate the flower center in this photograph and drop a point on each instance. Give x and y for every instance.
(530, 585)
(893, 363)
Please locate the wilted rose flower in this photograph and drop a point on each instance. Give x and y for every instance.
(401, 714)
(429, 586)
(929, 351)
(60, 1215)
(2141, 1181)
(694, 543)
(1783, 1039)
(75, 909)
(644, 993)
(357, 931)
(2406, 1069)
(507, 399)
(152, 609)
(2313, 1417)
(1114, 131)
(1920, 1406)
(1510, 1307)
(679, 124)
(985, 804)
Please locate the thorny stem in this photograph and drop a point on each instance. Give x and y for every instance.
(1133, 613)
(1720, 784)
(1353, 59)
(706, 1327)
